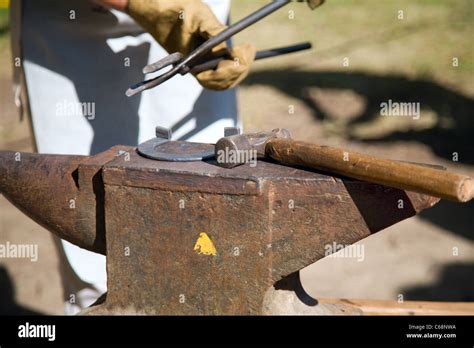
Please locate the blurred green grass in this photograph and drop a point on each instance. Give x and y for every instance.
(4, 21)
(388, 57)
(370, 34)
(3, 17)
(4, 30)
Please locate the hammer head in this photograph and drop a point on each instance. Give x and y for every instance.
(238, 149)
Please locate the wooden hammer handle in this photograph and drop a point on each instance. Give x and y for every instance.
(405, 176)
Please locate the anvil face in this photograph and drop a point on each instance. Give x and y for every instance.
(192, 237)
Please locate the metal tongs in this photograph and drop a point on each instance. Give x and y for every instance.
(194, 61)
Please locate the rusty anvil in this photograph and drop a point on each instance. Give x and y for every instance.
(193, 237)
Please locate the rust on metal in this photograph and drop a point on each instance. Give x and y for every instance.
(62, 193)
(235, 150)
(192, 237)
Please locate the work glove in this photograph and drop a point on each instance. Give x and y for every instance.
(313, 3)
(181, 26)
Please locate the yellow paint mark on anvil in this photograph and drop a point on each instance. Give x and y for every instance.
(204, 245)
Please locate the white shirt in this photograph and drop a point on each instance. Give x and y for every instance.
(78, 63)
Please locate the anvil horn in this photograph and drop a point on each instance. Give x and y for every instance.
(58, 192)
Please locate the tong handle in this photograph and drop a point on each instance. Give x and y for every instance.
(212, 64)
(186, 64)
(244, 23)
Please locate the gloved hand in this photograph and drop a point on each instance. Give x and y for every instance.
(181, 26)
(313, 3)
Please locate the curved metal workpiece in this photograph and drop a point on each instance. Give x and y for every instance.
(176, 151)
(162, 148)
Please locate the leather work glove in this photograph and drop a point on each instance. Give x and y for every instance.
(313, 3)
(181, 26)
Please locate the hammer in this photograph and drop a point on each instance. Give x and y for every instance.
(238, 149)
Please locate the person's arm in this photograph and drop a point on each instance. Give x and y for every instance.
(121, 5)
(182, 25)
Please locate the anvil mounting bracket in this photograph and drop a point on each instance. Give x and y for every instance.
(162, 148)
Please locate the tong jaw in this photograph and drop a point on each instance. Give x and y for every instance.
(172, 59)
(184, 65)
